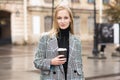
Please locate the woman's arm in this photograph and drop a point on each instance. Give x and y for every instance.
(41, 62)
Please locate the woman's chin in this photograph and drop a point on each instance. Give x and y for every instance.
(63, 27)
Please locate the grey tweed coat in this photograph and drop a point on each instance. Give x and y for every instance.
(47, 49)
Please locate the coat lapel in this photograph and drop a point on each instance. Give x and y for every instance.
(52, 43)
(71, 51)
(71, 46)
(71, 42)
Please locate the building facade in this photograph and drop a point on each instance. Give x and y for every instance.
(23, 21)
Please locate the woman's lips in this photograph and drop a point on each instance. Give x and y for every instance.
(62, 25)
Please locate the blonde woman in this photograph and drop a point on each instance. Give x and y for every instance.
(51, 65)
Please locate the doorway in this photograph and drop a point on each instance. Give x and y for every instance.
(5, 28)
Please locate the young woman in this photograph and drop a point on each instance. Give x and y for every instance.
(51, 65)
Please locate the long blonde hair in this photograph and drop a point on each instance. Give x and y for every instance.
(55, 28)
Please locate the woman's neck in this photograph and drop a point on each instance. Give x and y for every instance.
(64, 32)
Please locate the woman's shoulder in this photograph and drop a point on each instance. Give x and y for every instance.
(76, 37)
(44, 36)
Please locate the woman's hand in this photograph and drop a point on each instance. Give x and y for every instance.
(58, 60)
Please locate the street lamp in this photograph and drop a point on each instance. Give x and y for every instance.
(52, 12)
(95, 43)
(95, 48)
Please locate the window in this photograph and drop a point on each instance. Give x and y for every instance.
(75, 1)
(105, 1)
(35, 2)
(77, 25)
(48, 23)
(48, 1)
(36, 24)
(90, 24)
(90, 1)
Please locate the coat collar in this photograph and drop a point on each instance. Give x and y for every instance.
(53, 41)
(53, 37)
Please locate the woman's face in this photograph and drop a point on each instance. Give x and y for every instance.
(63, 19)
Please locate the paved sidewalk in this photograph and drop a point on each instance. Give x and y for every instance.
(16, 63)
(100, 69)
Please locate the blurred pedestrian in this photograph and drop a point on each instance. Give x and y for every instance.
(47, 60)
(102, 49)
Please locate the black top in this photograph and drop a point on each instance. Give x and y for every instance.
(63, 42)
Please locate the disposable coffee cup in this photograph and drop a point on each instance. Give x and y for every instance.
(62, 51)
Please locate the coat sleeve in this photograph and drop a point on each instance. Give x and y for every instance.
(40, 61)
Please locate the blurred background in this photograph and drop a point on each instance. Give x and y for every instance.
(23, 21)
(96, 22)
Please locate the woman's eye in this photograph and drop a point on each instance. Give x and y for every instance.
(62, 18)
(59, 18)
(65, 17)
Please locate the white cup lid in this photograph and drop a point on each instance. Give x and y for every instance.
(61, 49)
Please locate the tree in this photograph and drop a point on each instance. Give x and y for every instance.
(113, 12)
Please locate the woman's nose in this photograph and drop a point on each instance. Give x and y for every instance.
(62, 20)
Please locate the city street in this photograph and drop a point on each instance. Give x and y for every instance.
(16, 63)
